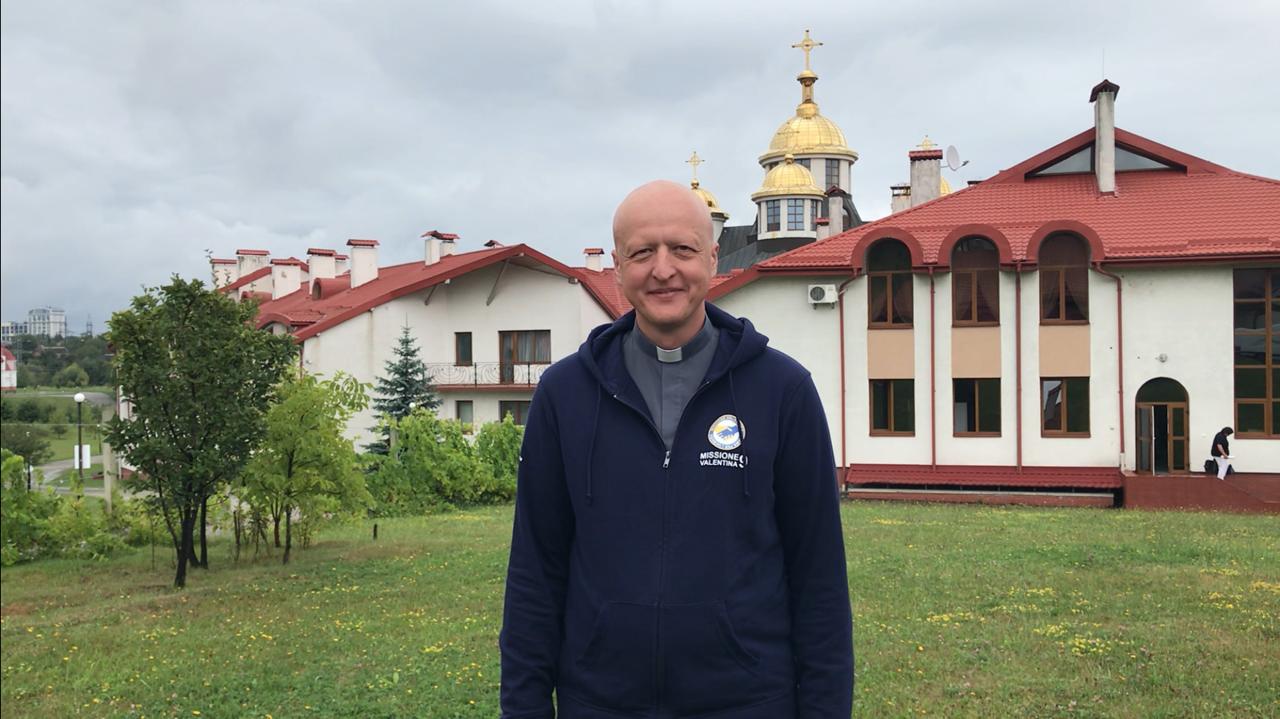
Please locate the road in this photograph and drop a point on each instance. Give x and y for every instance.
(102, 399)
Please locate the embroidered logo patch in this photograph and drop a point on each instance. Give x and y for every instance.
(726, 432)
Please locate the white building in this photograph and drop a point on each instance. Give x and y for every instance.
(48, 322)
(8, 370)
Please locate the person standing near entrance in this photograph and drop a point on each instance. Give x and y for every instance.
(1221, 451)
(677, 549)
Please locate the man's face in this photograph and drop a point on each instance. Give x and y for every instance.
(665, 260)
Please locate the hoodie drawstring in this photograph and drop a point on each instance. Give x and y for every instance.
(591, 452)
(742, 435)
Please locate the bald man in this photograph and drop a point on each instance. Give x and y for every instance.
(666, 562)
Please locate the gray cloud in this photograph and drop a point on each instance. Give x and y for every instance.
(136, 135)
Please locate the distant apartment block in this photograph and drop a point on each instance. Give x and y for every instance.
(47, 322)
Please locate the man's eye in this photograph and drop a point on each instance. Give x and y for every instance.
(686, 251)
(641, 254)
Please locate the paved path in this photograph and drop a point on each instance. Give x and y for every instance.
(101, 399)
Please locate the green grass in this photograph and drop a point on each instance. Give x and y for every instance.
(959, 611)
(64, 447)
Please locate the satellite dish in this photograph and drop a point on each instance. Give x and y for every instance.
(953, 158)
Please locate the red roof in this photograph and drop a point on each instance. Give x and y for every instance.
(7, 356)
(362, 243)
(294, 261)
(336, 302)
(604, 284)
(1199, 211)
(321, 251)
(440, 235)
(247, 279)
(252, 252)
(222, 261)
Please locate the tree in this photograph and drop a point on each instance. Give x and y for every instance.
(199, 379)
(498, 446)
(27, 441)
(71, 376)
(407, 385)
(304, 462)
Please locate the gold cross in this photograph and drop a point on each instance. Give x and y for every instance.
(807, 44)
(926, 143)
(695, 161)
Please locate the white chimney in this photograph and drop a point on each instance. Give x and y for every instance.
(224, 271)
(321, 263)
(594, 257)
(432, 246)
(926, 172)
(364, 261)
(343, 264)
(286, 277)
(447, 247)
(249, 260)
(1103, 98)
(437, 244)
(899, 197)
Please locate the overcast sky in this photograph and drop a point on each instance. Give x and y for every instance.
(138, 135)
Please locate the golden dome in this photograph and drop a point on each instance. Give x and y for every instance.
(808, 133)
(788, 178)
(944, 187)
(708, 198)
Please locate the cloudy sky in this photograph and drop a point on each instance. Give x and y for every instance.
(138, 135)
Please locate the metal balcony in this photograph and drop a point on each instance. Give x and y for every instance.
(489, 375)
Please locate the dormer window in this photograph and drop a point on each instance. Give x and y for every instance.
(1081, 162)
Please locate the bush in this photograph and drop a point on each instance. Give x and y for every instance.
(498, 446)
(71, 376)
(432, 466)
(29, 411)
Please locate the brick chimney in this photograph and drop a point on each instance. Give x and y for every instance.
(594, 257)
(1103, 97)
(926, 172)
(364, 261)
(286, 276)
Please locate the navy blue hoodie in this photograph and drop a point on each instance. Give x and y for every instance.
(705, 582)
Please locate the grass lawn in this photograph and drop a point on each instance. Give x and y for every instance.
(959, 611)
(64, 447)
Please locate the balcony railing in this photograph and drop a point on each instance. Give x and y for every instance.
(524, 374)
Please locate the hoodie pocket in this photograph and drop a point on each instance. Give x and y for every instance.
(615, 670)
(706, 666)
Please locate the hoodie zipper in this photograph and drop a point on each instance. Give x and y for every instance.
(662, 536)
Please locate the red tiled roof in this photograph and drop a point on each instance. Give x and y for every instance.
(321, 251)
(260, 296)
(1203, 212)
(222, 261)
(362, 243)
(252, 252)
(247, 279)
(289, 261)
(440, 235)
(604, 284)
(337, 301)
(593, 251)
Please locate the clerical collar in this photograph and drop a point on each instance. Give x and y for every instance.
(689, 348)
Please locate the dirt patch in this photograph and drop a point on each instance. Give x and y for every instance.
(16, 609)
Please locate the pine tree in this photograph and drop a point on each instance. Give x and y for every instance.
(406, 386)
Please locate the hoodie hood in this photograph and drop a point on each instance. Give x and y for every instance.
(739, 343)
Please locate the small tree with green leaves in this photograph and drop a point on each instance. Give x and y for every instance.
(304, 463)
(71, 376)
(405, 387)
(498, 446)
(198, 378)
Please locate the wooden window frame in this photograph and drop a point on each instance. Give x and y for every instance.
(1060, 270)
(1064, 432)
(457, 349)
(977, 406)
(467, 427)
(871, 418)
(887, 277)
(515, 416)
(1270, 363)
(973, 274)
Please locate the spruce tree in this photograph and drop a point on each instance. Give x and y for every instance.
(407, 385)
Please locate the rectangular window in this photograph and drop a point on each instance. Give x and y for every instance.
(795, 214)
(462, 348)
(1064, 406)
(773, 215)
(976, 406)
(1256, 319)
(893, 406)
(465, 413)
(975, 297)
(1064, 294)
(804, 161)
(517, 350)
(518, 409)
(833, 174)
(813, 216)
(889, 295)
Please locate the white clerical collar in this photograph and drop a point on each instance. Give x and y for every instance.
(666, 356)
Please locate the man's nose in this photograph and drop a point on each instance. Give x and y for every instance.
(663, 265)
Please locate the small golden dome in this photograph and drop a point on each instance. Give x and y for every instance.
(708, 198)
(944, 187)
(788, 178)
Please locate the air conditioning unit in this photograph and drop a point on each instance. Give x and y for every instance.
(822, 294)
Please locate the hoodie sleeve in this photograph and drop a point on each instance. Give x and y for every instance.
(533, 614)
(808, 513)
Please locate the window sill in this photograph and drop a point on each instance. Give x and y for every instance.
(976, 434)
(889, 326)
(1063, 322)
(975, 324)
(1254, 435)
(887, 433)
(1061, 435)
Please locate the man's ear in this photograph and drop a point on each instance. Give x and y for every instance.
(617, 274)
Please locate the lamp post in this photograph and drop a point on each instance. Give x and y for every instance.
(79, 443)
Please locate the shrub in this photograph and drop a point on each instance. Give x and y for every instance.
(498, 445)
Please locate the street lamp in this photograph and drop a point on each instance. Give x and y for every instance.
(79, 442)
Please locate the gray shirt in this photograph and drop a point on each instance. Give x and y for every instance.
(667, 379)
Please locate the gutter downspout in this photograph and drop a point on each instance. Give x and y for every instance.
(933, 379)
(844, 460)
(1119, 352)
(1017, 349)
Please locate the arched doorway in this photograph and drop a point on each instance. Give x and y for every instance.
(1162, 426)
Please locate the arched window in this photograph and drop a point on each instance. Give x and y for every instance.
(975, 282)
(1064, 279)
(889, 284)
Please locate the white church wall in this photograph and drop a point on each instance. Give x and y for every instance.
(779, 308)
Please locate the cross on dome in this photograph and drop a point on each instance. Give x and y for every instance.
(694, 161)
(807, 45)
